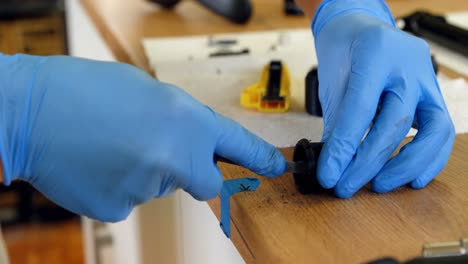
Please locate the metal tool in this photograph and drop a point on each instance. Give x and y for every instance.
(291, 166)
(445, 249)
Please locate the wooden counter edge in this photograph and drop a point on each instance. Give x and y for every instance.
(112, 41)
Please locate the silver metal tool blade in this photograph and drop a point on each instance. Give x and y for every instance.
(295, 167)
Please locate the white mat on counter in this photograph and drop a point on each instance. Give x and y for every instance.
(218, 82)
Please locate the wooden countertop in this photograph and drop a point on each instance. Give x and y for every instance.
(275, 223)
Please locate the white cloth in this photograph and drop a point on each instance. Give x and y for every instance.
(218, 82)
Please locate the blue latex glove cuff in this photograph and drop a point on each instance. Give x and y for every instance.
(331, 8)
(14, 95)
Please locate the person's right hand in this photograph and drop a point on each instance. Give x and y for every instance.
(364, 61)
(99, 138)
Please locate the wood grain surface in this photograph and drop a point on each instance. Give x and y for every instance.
(276, 224)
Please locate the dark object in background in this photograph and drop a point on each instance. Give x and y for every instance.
(312, 101)
(274, 83)
(228, 52)
(307, 153)
(435, 64)
(35, 31)
(21, 203)
(237, 11)
(291, 8)
(436, 28)
(11, 9)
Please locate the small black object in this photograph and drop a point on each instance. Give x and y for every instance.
(291, 8)
(227, 52)
(435, 64)
(273, 88)
(308, 153)
(436, 28)
(237, 11)
(312, 101)
(221, 42)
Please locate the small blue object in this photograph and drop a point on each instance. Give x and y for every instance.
(229, 188)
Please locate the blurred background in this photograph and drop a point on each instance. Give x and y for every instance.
(36, 230)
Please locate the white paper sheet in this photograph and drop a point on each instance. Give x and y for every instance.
(218, 82)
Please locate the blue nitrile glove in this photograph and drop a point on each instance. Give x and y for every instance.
(364, 58)
(99, 138)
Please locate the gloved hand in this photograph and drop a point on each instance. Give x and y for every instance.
(99, 138)
(363, 60)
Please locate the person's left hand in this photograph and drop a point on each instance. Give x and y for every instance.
(364, 61)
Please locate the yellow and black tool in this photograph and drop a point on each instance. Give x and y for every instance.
(271, 94)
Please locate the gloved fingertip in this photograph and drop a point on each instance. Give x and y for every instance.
(207, 186)
(418, 184)
(268, 162)
(379, 187)
(109, 213)
(326, 177)
(278, 165)
(344, 193)
(204, 195)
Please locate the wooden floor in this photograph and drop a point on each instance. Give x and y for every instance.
(52, 243)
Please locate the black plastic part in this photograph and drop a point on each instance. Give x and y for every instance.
(273, 88)
(312, 101)
(223, 53)
(291, 8)
(437, 29)
(435, 64)
(166, 3)
(308, 153)
(237, 11)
